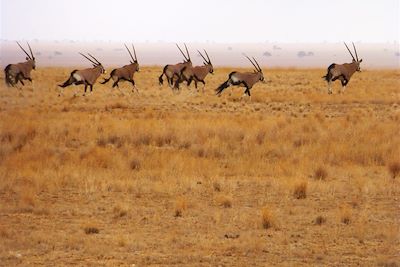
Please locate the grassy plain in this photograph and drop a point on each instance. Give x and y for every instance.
(293, 177)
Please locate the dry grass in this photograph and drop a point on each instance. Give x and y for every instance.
(394, 168)
(300, 189)
(163, 178)
(268, 219)
(320, 173)
(181, 205)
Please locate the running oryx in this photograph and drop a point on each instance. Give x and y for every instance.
(126, 72)
(171, 71)
(245, 79)
(196, 74)
(15, 73)
(343, 72)
(86, 76)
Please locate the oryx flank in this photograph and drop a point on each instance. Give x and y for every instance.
(196, 74)
(126, 72)
(173, 71)
(86, 76)
(15, 73)
(245, 79)
(343, 72)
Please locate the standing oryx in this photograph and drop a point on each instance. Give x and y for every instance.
(171, 71)
(246, 79)
(343, 72)
(126, 72)
(86, 76)
(198, 73)
(15, 73)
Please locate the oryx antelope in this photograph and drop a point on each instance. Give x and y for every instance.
(197, 73)
(343, 72)
(245, 79)
(126, 72)
(173, 71)
(15, 73)
(86, 77)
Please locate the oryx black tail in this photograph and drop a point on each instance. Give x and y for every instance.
(329, 75)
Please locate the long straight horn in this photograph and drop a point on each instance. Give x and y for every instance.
(134, 52)
(94, 59)
(182, 52)
(209, 60)
(202, 56)
(129, 52)
(349, 51)
(259, 69)
(24, 51)
(252, 63)
(355, 51)
(187, 51)
(88, 59)
(30, 49)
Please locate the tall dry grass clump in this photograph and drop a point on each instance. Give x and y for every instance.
(181, 205)
(320, 173)
(394, 169)
(268, 219)
(300, 189)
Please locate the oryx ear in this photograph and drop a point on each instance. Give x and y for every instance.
(131, 61)
(27, 58)
(360, 60)
(205, 63)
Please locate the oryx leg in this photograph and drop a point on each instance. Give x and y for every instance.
(330, 87)
(204, 85)
(134, 85)
(84, 93)
(344, 83)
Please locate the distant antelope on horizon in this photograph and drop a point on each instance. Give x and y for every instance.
(245, 79)
(173, 71)
(343, 72)
(197, 73)
(86, 77)
(126, 72)
(15, 73)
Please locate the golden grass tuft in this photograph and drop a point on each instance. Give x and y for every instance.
(320, 173)
(394, 169)
(345, 214)
(224, 201)
(91, 229)
(268, 219)
(300, 189)
(120, 210)
(181, 205)
(319, 220)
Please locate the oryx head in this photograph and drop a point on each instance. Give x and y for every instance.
(134, 59)
(30, 58)
(95, 62)
(257, 68)
(207, 61)
(355, 59)
(187, 56)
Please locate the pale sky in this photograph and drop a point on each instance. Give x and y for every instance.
(223, 21)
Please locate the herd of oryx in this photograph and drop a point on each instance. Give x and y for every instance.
(174, 73)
